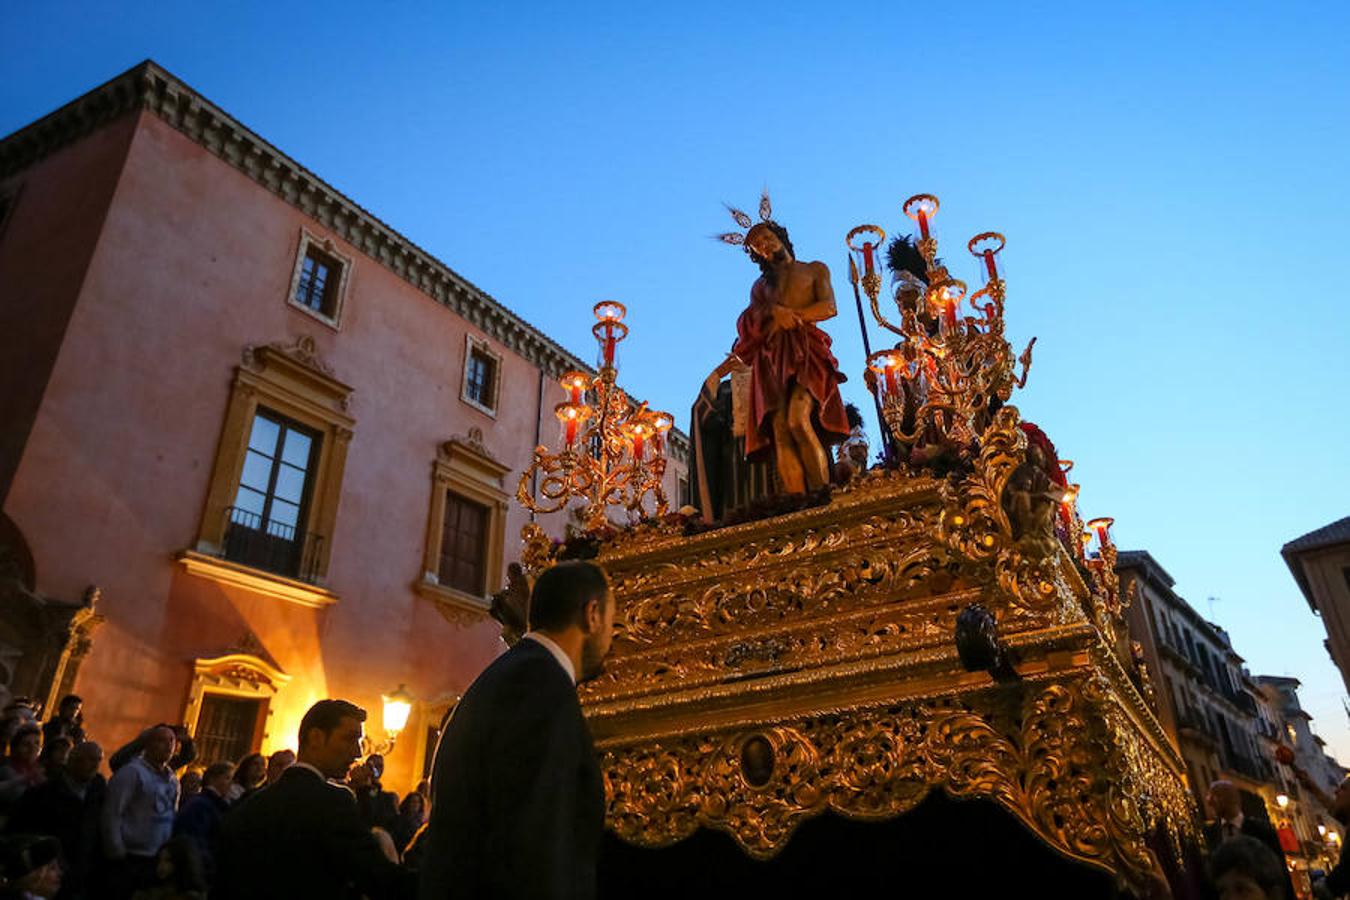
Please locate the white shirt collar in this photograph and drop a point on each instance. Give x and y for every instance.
(552, 647)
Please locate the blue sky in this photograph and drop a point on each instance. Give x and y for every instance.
(1171, 181)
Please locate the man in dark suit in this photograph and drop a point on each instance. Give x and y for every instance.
(302, 837)
(1229, 822)
(518, 805)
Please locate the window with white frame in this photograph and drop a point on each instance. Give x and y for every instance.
(482, 376)
(319, 281)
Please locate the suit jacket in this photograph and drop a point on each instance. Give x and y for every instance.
(518, 805)
(200, 820)
(302, 837)
(1254, 828)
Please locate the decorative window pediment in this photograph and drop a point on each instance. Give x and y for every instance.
(466, 528)
(268, 539)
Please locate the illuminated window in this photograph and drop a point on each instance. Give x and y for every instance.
(265, 526)
(272, 501)
(227, 727)
(482, 376)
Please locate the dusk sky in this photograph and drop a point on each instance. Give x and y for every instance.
(1172, 182)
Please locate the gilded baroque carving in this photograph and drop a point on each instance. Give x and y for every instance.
(1051, 759)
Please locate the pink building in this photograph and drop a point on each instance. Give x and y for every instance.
(257, 448)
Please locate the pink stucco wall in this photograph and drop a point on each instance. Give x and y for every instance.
(192, 265)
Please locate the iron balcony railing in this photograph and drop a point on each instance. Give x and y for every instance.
(270, 546)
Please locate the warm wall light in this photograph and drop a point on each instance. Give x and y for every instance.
(397, 707)
(1282, 800)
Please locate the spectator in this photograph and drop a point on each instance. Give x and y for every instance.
(20, 770)
(302, 837)
(55, 752)
(28, 867)
(186, 753)
(413, 850)
(424, 788)
(1229, 821)
(249, 777)
(1337, 881)
(199, 818)
(25, 708)
(68, 722)
(378, 807)
(1244, 868)
(69, 806)
(138, 815)
(412, 813)
(178, 871)
(277, 763)
(189, 786)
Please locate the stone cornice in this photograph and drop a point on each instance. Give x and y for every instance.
(151, 88)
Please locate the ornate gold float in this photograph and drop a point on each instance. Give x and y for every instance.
(925, 629)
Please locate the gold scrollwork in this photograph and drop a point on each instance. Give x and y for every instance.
(1060, 760)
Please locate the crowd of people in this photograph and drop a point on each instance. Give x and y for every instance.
(158, 824)
(517, 810)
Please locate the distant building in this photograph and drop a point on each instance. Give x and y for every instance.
(1226, 723)
(258, 448)
(1304, 809)
(1202, 688)
(1320, 563)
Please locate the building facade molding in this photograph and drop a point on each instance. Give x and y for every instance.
(465, 466)
(149, 87)
(242, 675)
(232, 574)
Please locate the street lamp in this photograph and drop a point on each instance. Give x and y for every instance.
(1282, 801)
(397, 706)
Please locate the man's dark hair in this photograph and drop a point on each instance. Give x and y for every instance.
(327, 715)
(23, 732)
(69, 700)
(1249, 857)
(217, 769)
(766, 266)
(561, 593)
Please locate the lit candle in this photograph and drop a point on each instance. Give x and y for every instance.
(1066, 506)
(571, 428)
(574, 383)
(1103, 528)
(663, 422)
(609, 330)
(921, 208)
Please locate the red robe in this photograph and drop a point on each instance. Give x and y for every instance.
(778, 359)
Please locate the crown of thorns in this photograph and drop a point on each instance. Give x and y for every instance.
(737, 238)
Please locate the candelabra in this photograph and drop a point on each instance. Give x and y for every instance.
(613, 451)
(941, 384)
